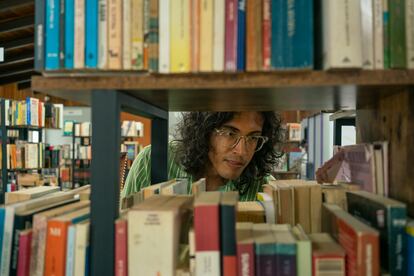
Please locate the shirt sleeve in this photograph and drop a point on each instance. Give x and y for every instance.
(139, 174)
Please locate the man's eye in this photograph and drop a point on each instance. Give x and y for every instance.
(231, 134)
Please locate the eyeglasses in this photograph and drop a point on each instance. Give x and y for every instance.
(231, 139)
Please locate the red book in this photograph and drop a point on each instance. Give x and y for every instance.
(267, 34)
(245, 249)
(23, 263)
(121, 247)
(207, 233)
(230, 53)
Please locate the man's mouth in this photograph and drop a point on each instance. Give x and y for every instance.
(234, 164)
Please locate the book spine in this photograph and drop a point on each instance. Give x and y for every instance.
(115, 35)
(70, 251)
(121, 248)
(316, 210)
(228, 240)
(206, 32)
(39, 35)
(69, 33)
(2, 225)
(180, 37)
(230, 53)
(52, 35)
(218, 35)
(397, 251)
(103, 34)
(79, 48)
(286, 259)
(409, 30)
(81, 248)
(153, 37)
(55, 260)
(91, 43)
(207, 240)
(265, 260)
(24, 254)
(386, 24)
(18, 226)
(410, 249)
(146, 32)
(241, 35)
(304, 257)
(245, 259)
(367, 34)
(164, 33)
(398, 56)
(277, 28)
(6, 250)
(126, 32)
(378, 34)
(62, 35)
(195, 35)
(267, 35)
(28, 119)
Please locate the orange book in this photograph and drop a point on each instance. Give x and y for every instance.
(56, 238)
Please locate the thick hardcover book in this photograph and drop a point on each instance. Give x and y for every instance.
(69, 33)
(292, 34)
(241, 35)
(137, 33)
(52, 34)
(245, 249)
(398, 54)
(207, 233)
(389, 218)
(39, 35)
(230, 52)
(254, 54)
(285, 252)
(126, 34)
(328, 257)
(228, 207)
(304, 251)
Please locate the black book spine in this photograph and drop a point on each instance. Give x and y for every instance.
(39, 62)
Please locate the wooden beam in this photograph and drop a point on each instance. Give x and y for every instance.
(10, 4)
(17, 44)
(17, 24)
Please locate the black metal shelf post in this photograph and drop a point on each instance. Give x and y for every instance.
(3, 152)
(106, 108)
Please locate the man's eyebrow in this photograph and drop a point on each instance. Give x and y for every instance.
(255, 132)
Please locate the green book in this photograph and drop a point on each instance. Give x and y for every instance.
(396, 33)
(303, 251)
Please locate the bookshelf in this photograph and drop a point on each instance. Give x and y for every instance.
(383, 100)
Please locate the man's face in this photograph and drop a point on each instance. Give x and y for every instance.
(229, 162)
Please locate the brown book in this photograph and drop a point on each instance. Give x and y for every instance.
(155, 189)
(328, 257)
(336, 194)
(285, 202)
(250, 211)
(254, 30)
(26, 194)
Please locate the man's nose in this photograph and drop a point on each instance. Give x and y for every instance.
(240, 147)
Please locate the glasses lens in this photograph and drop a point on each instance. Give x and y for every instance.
(260, 142)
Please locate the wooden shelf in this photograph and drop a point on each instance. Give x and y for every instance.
(310, 90)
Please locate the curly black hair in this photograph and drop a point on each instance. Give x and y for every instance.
(193, 143)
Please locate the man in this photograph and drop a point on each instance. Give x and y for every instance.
(232, 150)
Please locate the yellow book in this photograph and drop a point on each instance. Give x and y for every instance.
(206, 34)
(137, 35)
(180, 37)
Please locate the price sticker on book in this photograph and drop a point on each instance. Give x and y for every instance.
(1, 54)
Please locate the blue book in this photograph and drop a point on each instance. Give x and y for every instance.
(70, 250)
(292, 34)
(39, 61)
(241, 35)
(91, 34)
(69, 33)
(2, 221)
(52, 32)
(265, 250)
(410, 247)
(28, 113)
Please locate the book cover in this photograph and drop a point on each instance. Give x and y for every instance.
(70, 251)
(304, 251)
(378, 34)
(230, 51)
(285, 249)
(69, 33)
(265, 249)
(62, 36)
(52, 35)
(81, 248)
(386, 33)
(328, 257)
(195, 34)
(267, 34)
(389, 218)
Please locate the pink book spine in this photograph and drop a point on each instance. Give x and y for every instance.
(230, 54)
(23, 263)
(245, 259)
(121, 248)
(267, 33)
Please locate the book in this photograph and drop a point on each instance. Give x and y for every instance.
(254, 31)
(410, 247)
(285, 249)
(92, 31)
(52, 34)
(103, 34)
(153, 54)
(207, 233)
(79, 35)
(164, 36)
(228, 213)
(180, 37)
(69, 33)
(360, 241)
(367, 30)
(26, 194)
(267, 35)
(206, 32)
(115, 34)
(126, 34)
(218, 35)
(397, 35)
(241, 35)
(81, 248)
(389, 217)
(304, 251)
(198, 187)
(195, 35)
(328, 257)
(250, 211)
(39, 36)
(409, 32)
(121, 247)
(245, 249)
(378, 34)
(230, 51)
(23, 264)
(265, 249)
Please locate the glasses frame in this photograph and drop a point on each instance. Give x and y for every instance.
(221, 132)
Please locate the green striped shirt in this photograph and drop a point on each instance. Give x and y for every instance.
(139, 176)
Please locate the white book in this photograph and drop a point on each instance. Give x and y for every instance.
(6, 111)
(219, 35)
(7, 240)
(164, 36)
(342, 42)
(409, 29)
(207, 263)
(367, 22)
(103, 34)
(126, 35)
(378, 13)
(79, 51)
(70, 250)
(81, 246)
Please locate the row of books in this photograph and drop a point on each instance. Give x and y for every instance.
(45, 232)
(24, 155)
(214, 35)
(132, 129)
(31, 136)
(33, 112)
